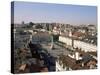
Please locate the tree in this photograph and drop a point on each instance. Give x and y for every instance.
(23, 22)
(31, 24)
(47, 27)
(39, 26)
(55, 37)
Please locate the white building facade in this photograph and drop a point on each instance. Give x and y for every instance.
(87, 47)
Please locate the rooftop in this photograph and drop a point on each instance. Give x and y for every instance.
(75, 64)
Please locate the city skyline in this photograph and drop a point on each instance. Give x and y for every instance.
(60, 13)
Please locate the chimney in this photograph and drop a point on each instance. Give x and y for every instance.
(82, 64)
(77, 55)
(30, 37)
(70, 33)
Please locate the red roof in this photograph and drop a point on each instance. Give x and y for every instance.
(78, 34)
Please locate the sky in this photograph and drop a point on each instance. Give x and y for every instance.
(59, 13)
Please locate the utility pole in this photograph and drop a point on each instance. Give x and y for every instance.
(52, 41)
